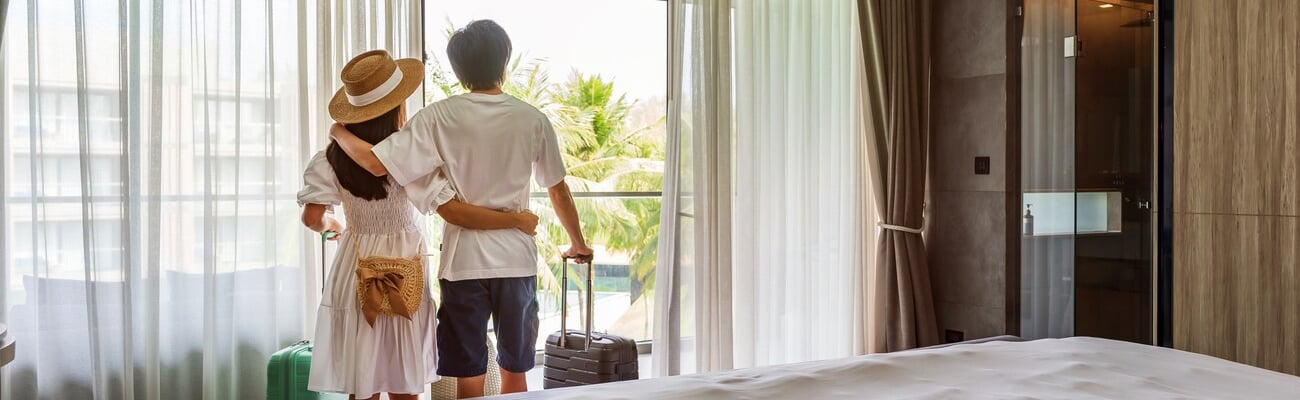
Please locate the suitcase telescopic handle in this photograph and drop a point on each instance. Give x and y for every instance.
(324, 238)
(564, 300)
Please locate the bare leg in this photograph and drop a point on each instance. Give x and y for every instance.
(513, 382)
(354, 397)
(470, 387)
(399, 396)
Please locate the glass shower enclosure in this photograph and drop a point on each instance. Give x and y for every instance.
(1087, 169)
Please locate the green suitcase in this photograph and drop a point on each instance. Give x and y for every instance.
(289, 369)
(287, 373)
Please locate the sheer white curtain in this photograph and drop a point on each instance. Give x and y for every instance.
(150, 155)
(798, 203)
(693, 299)
(1047, 274)
(4, 9)
(764, 196)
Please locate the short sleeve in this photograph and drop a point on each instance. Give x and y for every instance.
(430, 191)
(548, 168)
(411, 153)
(318, 183)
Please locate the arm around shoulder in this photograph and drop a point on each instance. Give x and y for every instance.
(357, 149)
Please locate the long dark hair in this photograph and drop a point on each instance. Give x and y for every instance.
(357, 180)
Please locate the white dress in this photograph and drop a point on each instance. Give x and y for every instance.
(396, 355)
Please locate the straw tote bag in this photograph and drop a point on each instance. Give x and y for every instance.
(389, 285)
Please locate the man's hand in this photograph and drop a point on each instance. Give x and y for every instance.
(580, 253)
(527, 222)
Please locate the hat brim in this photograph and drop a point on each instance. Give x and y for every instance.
(345, 113)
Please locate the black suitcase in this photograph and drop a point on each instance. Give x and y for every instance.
(575, 358)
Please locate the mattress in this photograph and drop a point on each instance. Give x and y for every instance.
(1073, 368)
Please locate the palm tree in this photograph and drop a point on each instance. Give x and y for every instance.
(605, 154)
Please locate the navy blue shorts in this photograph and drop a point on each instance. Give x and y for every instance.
(463, 319)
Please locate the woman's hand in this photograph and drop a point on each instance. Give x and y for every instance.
(526, 222)
(333, 225)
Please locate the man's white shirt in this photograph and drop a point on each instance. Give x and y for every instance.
(488, 147)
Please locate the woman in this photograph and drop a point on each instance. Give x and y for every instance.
(361, 350)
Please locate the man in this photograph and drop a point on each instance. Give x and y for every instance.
(488, 144)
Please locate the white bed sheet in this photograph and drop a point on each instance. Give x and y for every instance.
(1073, 368)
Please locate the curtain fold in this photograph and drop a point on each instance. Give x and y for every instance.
(693, 323)
(895, 47)
(4, 12)
(796, 240)
(760, 235)
(151, 151)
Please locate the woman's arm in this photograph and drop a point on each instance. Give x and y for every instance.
(470, 216)
(314, 216)
(358, 150)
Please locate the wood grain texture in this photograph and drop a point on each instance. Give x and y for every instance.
(1263, 166)
(1235, 107)
(1237, 191)
(1204, 103)
(1236, 289)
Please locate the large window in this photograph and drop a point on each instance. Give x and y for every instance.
(598, 69)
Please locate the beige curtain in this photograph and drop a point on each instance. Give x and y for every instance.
(899, 312)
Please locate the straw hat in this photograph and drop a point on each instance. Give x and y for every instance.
(373, 84)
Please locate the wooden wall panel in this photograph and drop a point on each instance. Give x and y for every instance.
(1236, 193)
(1235, 289)
(1263, 167)
(1204, 103)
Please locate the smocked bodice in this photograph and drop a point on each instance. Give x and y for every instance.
(387, 215)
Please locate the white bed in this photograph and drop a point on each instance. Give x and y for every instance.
(1074, 368)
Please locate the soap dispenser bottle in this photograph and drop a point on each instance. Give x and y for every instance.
(1028, 221)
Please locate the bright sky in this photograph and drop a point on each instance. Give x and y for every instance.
(626, 40)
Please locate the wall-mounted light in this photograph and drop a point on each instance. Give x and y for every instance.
(1106, 5)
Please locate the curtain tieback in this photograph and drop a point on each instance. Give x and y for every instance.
(898, 228)
(381, 284)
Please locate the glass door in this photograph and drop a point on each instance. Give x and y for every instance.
(1047, 170)
(1113, 134)
(1087, 169)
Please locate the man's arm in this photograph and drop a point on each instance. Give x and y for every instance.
(471, 216)
(357, 149)
(562, 200)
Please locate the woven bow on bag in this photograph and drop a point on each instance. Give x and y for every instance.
(389, 285)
